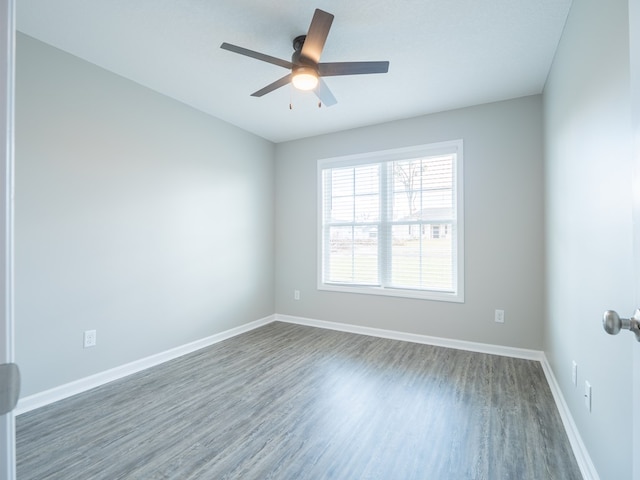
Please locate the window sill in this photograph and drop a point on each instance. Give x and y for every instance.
(395, 292)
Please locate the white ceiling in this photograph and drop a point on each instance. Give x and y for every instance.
(443, 54)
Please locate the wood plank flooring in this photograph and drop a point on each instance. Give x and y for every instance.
(292, 402)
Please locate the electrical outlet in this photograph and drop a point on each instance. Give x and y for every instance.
(499, 317)
(90, 338)
(574, 374)
(296, 294)
(587, 395)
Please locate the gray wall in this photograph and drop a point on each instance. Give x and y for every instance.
(135, 215)
(589, 226)
(503, 226)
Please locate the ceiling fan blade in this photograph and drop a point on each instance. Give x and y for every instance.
(272, 86)
(317, 35)
(324, 94)
(256, 55)
(351, 68)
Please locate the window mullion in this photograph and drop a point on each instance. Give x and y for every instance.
(385, 237)
(421, 232)
(353, 226)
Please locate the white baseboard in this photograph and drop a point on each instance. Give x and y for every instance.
(61, 392)
(587, 468)
(579, 449)
(416, 338)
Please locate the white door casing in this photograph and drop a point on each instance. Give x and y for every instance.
(7, 75)
(634, 51)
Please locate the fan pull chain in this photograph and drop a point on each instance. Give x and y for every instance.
(319, 104)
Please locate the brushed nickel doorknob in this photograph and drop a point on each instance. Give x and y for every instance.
(612, 323)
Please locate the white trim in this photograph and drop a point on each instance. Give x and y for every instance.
(61, 392)
(587, 468)
(392, 292)
(7, 135)
(583, 458)
(451, 147)
(634, 52)
(416, 338)
(379, 156)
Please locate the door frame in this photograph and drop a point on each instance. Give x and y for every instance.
(7, 128)
(634, 59)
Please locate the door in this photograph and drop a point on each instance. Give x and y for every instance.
(7, 68)
(634, 40)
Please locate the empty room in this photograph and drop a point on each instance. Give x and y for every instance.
(332, 240)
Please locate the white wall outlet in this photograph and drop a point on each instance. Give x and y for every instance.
(499, 317)
(587, 395)
(90, 338)
(296, 294)
(574, 374)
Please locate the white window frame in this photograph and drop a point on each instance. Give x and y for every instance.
(433, 149)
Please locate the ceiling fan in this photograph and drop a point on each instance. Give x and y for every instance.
(306, 69)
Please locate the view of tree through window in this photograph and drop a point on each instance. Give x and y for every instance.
(391, 224)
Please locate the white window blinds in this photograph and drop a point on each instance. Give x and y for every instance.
(390, 223)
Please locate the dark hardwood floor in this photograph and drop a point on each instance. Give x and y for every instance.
(292, 402)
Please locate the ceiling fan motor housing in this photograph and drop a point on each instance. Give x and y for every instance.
(297, 58)
(298, 42)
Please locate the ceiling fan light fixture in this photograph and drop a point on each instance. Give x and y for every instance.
(305, 78)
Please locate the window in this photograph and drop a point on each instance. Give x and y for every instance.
(391, 223)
